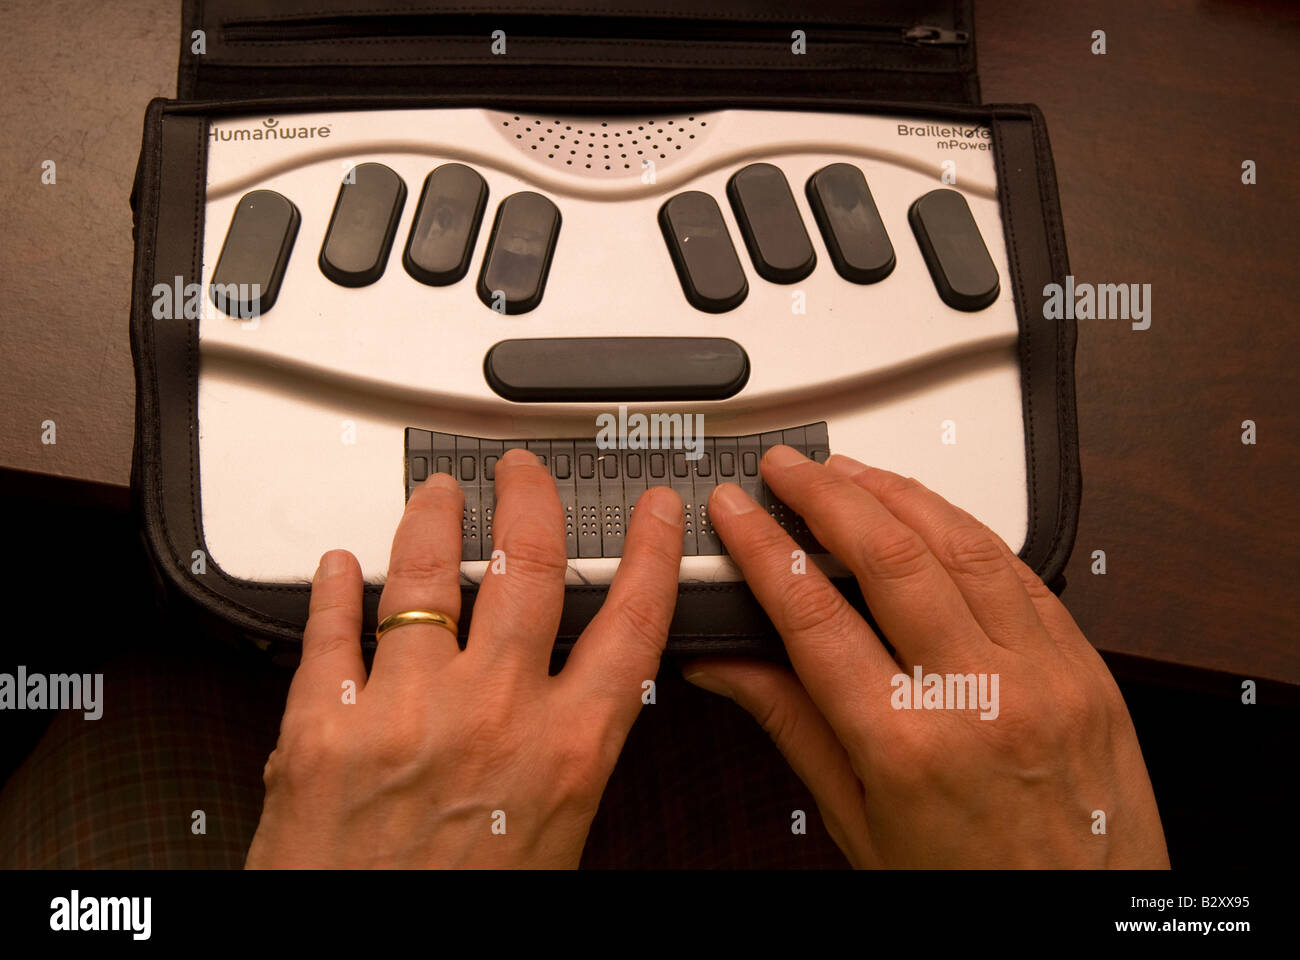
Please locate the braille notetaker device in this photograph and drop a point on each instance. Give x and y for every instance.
(391, 292)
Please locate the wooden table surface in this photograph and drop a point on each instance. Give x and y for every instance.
(1201, 533)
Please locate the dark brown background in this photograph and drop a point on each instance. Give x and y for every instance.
(1201, 533)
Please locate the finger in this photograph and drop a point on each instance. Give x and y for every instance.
(1056, 621)
(837, 656)
(331, 642)
(1052, 613)
(913, 598)
(620, 649)
(517, 612)
(786, 712)
(972, 556)
(423, 574)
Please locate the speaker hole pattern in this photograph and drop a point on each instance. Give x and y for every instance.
(603, 148)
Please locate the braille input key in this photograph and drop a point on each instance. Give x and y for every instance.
(702, 252)
(519, 252)
(850, 223)
(770, 223)
(253, 259)
(362, 226)
(953, 249)
(446, 224)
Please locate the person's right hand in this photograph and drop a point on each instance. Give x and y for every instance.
(931, 787)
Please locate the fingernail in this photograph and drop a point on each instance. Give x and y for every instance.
(731, 499)
(519, 456)
(845, 466)
(783, 456)
(444, 480)
(332, 563)
(667, 506)
(710, 683)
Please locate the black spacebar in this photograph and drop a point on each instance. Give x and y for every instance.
(593, 369)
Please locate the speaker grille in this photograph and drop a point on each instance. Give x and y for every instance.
(611, 148)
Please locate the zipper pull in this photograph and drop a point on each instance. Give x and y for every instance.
(928, 36)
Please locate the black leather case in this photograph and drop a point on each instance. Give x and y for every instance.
(916, 59)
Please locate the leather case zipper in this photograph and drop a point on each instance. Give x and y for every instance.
(413, 26)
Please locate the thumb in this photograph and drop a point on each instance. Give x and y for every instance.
(785, 711)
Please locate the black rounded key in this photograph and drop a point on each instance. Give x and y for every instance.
(950, 241)
(361, 229)
(595, 369)
(702, 252)
(519, 252)
(446, 225)
(770, 223)
(850, 224)
(255, 254)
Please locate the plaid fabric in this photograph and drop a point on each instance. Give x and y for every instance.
(698, 785)
(119, 792)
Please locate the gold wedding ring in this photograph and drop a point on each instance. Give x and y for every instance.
(434, 617)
